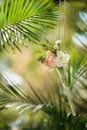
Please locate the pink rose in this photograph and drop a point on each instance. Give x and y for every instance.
(50, 59)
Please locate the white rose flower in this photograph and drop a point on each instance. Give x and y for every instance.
(61, 59)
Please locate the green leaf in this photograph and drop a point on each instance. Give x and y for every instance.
(25, 20)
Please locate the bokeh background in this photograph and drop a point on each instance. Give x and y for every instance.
(23, 66)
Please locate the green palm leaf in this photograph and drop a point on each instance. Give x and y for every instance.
(23, 100)
(23, 20)
(77, 80)
(80, 37)
(76, 69)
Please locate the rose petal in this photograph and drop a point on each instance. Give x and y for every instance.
(62, 59)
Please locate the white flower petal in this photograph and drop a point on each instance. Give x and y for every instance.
(62, 59)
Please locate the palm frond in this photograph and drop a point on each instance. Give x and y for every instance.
(76, 69)
(77, 80)
(80, 37)
(52, 103)
(25, 20)
(15, 95)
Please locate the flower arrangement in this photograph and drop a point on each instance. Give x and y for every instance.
(57, 59)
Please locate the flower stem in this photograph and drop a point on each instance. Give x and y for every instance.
(68, 94)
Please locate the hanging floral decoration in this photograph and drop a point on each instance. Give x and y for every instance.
(57, 59)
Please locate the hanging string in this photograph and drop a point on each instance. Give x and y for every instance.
(59, 21)
(64, 24)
